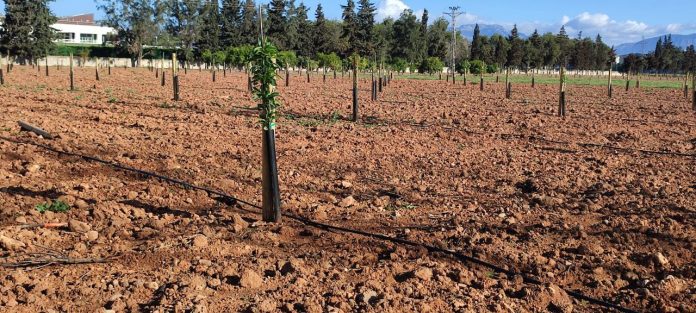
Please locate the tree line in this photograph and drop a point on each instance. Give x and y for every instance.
(26, 31)
(541, 51)
(224, 31)
(666, 58)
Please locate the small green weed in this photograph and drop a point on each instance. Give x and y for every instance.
(335, 117)
(56, 206)
(308, 123)
(401, 206)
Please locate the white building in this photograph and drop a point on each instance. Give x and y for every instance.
(82, 29)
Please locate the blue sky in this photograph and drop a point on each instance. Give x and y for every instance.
(618, 21)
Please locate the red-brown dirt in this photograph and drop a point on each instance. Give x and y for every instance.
(506, 181)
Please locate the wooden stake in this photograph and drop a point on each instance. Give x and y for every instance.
(507, 76)
(693, 91)
(609, 86)
(72, 74)
(355, 88)
(175, 78)
(2, 76)
(46, 65)
(561, 94)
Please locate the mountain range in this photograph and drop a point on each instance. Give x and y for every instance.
(467, 30)
(648, 45)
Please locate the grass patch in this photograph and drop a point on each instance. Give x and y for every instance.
(645, 81)
(166, 105)
(401, 206)
(55, 206)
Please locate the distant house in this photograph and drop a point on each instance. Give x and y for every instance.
(82, 29)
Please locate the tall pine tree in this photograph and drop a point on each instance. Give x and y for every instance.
(230, 23)
(477, 44)
(249, 33)
(291, 36)
(27, 32)
(516, 52)
(210, 28)
(321, 33)
(366, 23)
(438, 39)
(277, 23)
(304, 39)
(423, 40)
(536, 49)
(564, 45)
(350, 27)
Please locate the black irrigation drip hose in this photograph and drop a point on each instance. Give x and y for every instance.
(303, 220)
(567, 143)
(134, 170)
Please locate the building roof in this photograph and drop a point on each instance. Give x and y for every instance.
(82, 19)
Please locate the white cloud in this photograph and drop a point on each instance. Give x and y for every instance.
(674, 28)
(390, 8)
(468, 18)
(586, 19)
(613, 32)
(565, 20)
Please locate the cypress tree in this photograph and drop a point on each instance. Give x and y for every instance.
(537, 49)
(291, 36)
(477, 44)
(26, 32)
(210, 30)
(277, 23)
(350, 26)
(321, 33)
(249, 31)
(305, 36)
(601, 54)
(423, 40)
(500, 49)
(365, 27)
(231, 22)
(516, 48)
(43, 33)
(564, 46)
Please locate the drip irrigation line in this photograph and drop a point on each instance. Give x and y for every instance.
(134, 170)
(567, 143)
(432, 249)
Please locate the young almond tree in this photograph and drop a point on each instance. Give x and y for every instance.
(263, 79)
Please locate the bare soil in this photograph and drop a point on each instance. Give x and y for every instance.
(601, 202)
